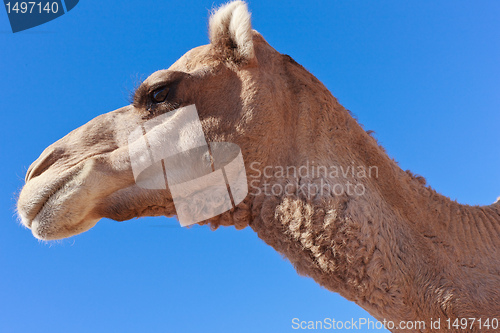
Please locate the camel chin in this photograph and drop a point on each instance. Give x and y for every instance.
(48, 230)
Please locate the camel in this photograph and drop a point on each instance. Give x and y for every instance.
(322, 192)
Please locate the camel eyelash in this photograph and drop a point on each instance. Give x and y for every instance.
(149, 98)
(160, 94)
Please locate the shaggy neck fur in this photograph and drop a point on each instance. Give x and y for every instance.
(400, 250)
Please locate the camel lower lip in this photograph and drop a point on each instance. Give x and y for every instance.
(34, 228)
(37, 223)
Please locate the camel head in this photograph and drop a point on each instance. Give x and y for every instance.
(245, 93)
(241, 88)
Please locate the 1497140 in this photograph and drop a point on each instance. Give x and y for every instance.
(470, 323)
(32, 7)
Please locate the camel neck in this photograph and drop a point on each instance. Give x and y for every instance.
(393, 250)
(399, 249)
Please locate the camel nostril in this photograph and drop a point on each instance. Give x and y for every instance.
(46, 159)
(28, 173)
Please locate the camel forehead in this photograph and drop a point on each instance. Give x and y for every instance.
(193, 60)
(202, 57)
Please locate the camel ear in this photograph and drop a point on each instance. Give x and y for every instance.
(230, 32)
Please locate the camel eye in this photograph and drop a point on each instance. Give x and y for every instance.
(160, 94)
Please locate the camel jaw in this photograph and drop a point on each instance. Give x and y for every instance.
(62, 204)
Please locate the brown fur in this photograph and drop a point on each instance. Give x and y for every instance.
(401, 251)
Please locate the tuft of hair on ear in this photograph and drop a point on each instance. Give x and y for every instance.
(230, 32)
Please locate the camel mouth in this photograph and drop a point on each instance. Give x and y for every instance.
(43, 206)
(65, 203)
(31, 215)
(43, 225)
(39, 195)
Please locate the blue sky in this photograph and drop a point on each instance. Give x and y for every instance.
(424, 75)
